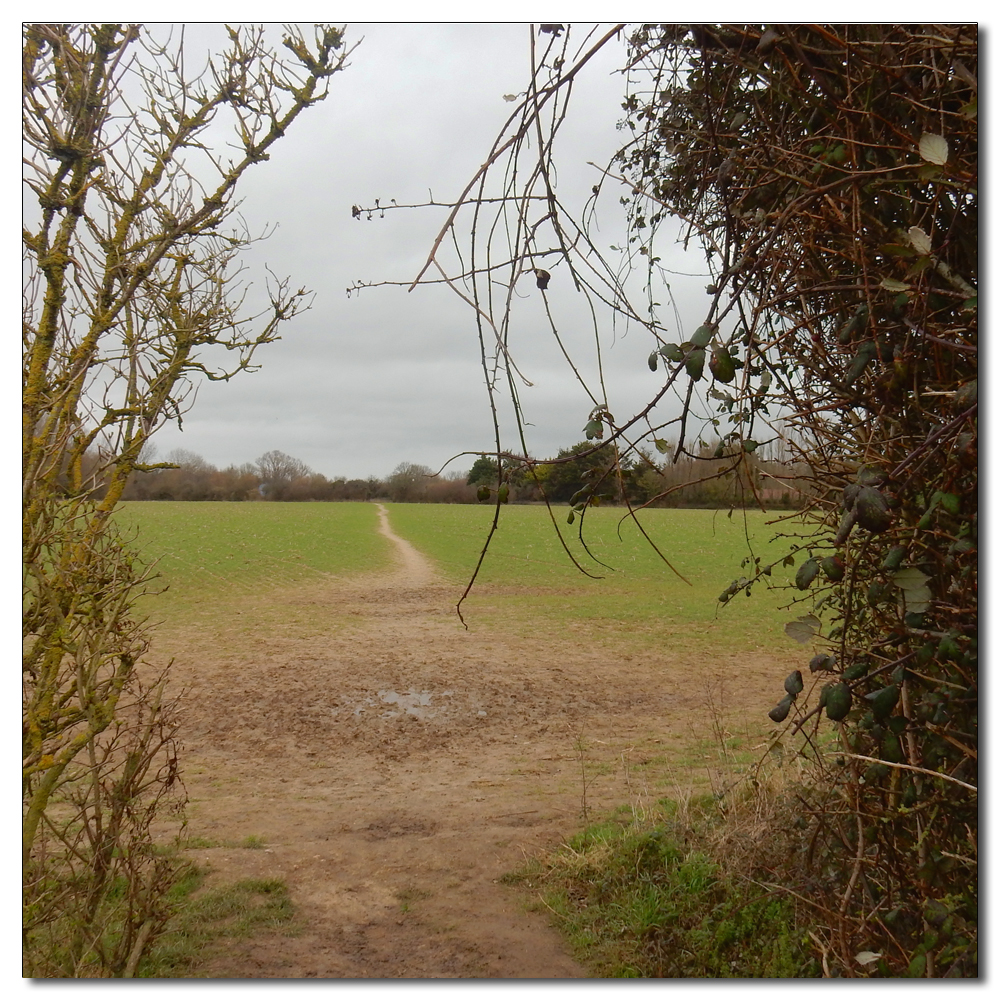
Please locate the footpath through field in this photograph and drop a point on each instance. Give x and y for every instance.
(395, 766)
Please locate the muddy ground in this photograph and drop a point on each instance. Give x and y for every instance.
(397, 768)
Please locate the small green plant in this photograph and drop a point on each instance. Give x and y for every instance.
(653, 900)
(410, 895)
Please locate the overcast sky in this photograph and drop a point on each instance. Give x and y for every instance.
(360, 384)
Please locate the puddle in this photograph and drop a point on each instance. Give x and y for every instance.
(418, 704)
(414, 703)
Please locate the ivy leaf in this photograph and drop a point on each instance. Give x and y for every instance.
(802, 629)
(934, 148)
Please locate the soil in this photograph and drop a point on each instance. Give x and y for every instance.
(396, 768)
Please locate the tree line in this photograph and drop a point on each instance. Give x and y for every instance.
(709, 480)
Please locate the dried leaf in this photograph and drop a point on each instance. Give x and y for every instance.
(892, 285)
(934, 148)
(913, 583)
(920, 240)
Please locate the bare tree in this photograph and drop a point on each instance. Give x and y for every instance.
(408, 482)
(278, 471)
(132, 292)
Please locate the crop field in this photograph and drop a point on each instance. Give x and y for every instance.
(215, 554)
(636, 591)
(210, 552)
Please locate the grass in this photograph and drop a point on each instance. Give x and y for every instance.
(639, 597)
(648, 898)
(213, 556)
(206, 921)
(210, 552)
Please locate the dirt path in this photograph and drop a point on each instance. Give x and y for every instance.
(398, 766)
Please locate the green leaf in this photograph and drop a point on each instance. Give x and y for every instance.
(652, 361)
(884, 701)
(838, 701)
(661, 446)
(867, 353)
(949, 501)
(780, 711)
(594, 429)
(807, 572)
(872, 510)
(822, 663)
(802, 629)
(833, 568)
(702, 336)
(695, 364)
(793, 683)
(721, 365)
(933, 148)
(672, 352)
(894, 557)
(857, 670)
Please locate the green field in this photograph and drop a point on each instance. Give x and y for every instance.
(210, 552)
(215, 554)
(636, 591)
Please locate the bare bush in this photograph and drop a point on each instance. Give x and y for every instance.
(131, 247)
